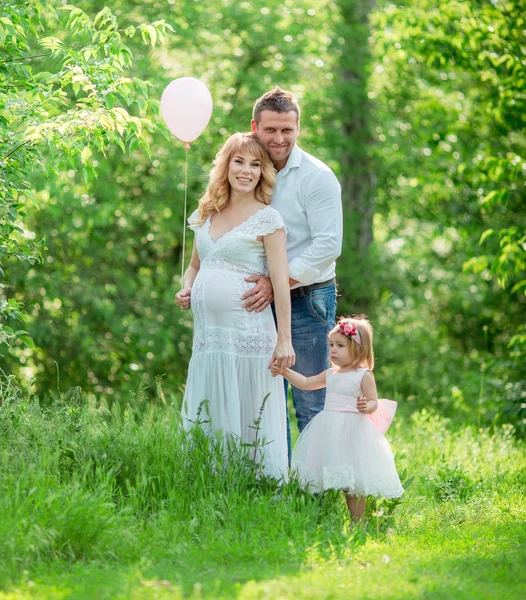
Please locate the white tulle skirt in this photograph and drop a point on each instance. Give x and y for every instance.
(344, 450)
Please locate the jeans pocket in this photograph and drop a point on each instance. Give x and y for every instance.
(317, 303)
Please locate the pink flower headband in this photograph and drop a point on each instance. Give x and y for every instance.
(351, 331)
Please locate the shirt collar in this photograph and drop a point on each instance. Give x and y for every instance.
(294, 160)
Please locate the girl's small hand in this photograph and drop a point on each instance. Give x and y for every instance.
(275, 370)
(182, 298)
(362, 404)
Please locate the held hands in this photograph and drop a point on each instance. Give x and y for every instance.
(182, 298)
(275, 370)
(283, 357)
(260, 295)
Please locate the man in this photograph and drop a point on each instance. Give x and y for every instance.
(308, 196)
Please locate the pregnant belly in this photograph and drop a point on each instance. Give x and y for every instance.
(216, 296)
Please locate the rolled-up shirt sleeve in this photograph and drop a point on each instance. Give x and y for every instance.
(323, 208)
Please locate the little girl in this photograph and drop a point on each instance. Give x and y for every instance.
(343, 447)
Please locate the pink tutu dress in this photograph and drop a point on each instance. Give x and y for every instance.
(343, 449)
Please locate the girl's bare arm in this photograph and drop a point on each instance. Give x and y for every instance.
(316, 382)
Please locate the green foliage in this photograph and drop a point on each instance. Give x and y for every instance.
(452, 484)
(97, 500)
(458, 108)
(91, 211)
(56, 118)
(102, 306)
(123, 467)
(443, 279)
(449, 91)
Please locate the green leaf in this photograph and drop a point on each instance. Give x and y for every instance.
(27, 341)
(490, 197)
(85, 155)
(153, 34)
(109, 100)
(477, 264)
(485, 236)
(521, 285)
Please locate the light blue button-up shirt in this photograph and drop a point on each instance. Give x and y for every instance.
(308, 196)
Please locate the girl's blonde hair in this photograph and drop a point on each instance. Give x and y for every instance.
(359, 333)
(217, 194)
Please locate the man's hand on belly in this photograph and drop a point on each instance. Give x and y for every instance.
(260, 295)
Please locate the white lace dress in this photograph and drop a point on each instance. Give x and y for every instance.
(232, 347)
(343, 449)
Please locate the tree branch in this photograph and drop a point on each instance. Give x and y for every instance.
(15, 149)
(8, 60)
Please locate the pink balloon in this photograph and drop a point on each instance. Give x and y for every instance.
(186, 107)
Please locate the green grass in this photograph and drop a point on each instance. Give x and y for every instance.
(100, 503)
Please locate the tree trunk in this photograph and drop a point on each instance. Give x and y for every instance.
(358, 169)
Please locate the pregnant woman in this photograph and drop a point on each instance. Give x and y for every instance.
(237, 235)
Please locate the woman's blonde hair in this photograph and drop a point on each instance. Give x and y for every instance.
(217, 194)
(359, 333)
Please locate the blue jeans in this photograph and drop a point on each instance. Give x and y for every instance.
(313, 316)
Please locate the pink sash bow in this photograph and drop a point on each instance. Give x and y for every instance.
(382, 417)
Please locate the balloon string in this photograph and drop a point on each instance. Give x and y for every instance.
(187, 147)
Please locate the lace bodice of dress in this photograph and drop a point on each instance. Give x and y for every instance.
(238, 249)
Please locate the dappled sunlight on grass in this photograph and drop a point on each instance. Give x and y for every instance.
(122, 503)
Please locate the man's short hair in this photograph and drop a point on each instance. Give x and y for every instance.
(277, 100)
